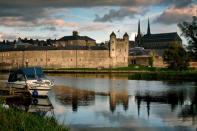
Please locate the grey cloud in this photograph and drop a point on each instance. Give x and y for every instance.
(177, 3)
(94, 27)
(174, 15)
(119, 14)
(7, 36)
(30, 11)
(88, 3)
(50, 28)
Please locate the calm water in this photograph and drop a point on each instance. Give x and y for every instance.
(102, 102)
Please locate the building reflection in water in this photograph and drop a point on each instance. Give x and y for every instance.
(118, 95)
(77, 97)
(187, 100)
(74, 97)
(118, 98)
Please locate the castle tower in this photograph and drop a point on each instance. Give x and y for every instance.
(113, 45)
(148, 29)
(126, 39)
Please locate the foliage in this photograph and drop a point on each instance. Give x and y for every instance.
(189, 31)
(165, 75)
(14, 120)
(176, 57)
(151, 61)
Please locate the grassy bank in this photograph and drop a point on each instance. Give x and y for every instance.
(139, 72)
(14, 120)
(129, 68)
(165, 75)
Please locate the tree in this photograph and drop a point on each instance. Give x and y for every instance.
(176, 57)
(151, 60)
(189, 31)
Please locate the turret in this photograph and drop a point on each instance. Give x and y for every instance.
(113, 45)
(126, 36)
(113, 35)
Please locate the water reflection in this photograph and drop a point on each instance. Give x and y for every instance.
(40, 106)
(87, 102)
(183, 99)
(74, 97)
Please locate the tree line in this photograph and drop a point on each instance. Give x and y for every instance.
(176, 56)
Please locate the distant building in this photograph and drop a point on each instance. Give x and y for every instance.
(156, 41)
(75, 40)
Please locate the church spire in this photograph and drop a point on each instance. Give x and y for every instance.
(139, 31)
(148, 29)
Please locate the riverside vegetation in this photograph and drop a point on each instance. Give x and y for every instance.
(140, 72)
(16, 120)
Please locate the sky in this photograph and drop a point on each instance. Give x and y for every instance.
(53, 19)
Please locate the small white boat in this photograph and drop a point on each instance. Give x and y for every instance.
(32, 79)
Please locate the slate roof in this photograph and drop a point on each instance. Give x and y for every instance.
(131, 44)
(30, 48)
(66, 38)
(163, 37)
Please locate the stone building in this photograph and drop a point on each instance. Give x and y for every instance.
(67, 56)
(75, 40)
(151, 46)
(159, 41)
(141, 56)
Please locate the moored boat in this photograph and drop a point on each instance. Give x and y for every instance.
(32, 79)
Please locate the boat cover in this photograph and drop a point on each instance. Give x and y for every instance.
(26, 73)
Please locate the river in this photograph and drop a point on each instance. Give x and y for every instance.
(109, 102)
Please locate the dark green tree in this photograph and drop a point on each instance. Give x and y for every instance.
(189, 31)
(176, 58)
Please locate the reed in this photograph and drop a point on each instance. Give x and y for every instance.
(15, 120)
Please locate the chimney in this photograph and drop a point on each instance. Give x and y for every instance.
(75, 33)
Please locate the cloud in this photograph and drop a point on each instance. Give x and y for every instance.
(119, 14)
(94, 27)
(174, 15)
(7, 36)
(17, 22)
(89, 3)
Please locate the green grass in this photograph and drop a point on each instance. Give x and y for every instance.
(129, 68)
(15, 120)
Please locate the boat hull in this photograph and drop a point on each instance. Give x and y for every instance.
(41, 90)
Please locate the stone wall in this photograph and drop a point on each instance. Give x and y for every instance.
(65, 58)
(61, 59)
(144, 60)
(140, 60)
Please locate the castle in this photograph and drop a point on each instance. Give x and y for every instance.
(68, 52)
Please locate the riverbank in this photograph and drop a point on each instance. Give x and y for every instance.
(16, 120)
(165, 75)
(136, 72)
